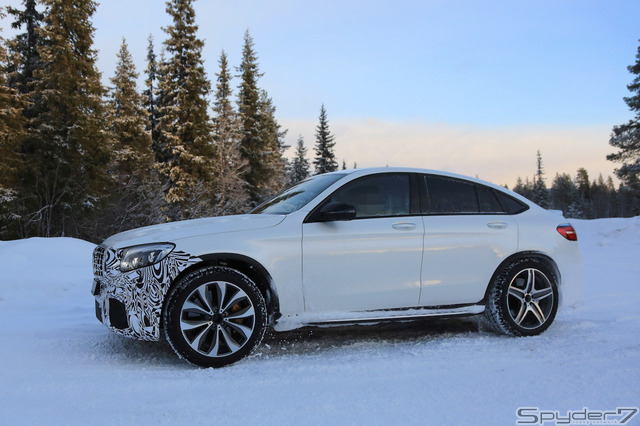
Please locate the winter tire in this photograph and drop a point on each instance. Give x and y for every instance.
(214, 316)
(523, 298)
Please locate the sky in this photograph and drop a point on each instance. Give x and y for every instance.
(473, 87)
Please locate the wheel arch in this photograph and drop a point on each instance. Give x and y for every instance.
(247, 266)
(531, 254)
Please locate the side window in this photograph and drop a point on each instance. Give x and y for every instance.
(488, 201)
(383, 195)
(450, 196)
(511, 205)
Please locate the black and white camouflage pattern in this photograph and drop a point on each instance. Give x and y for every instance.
(142, 291)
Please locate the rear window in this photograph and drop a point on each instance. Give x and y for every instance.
(445, 195)
(510, 204)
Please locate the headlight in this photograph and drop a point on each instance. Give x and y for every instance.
(140, 256)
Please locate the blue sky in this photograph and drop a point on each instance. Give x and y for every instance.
(474, 87)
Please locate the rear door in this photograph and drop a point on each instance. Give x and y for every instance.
(467, 236)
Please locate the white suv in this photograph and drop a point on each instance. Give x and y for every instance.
(343, 247)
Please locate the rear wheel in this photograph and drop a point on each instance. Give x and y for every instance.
(215, 316)
(523, 298)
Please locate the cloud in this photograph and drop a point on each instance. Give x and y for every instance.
(496, 154)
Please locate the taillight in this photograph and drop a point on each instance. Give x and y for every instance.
(567, 231)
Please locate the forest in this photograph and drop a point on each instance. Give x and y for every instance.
(80, 159)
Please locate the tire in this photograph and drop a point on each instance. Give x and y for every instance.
(522, 298)
(214, 316)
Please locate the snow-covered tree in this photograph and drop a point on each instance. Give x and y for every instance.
(325, 158)
(273, 137)
(185, 142)
(626, 137)
(23, 48)
(540, 193)
(300, 165)
(231, 196)
(12, 125)
(261, 137)
(135, 195)
(66, 148)
(150, 101)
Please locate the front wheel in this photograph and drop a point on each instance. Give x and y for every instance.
(215, 316)
(523, 298)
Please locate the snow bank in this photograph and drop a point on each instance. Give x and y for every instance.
(58, 364)
(37, 270)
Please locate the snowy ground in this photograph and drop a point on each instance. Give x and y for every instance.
(58, 365)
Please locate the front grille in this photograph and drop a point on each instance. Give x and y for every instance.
(98, 261)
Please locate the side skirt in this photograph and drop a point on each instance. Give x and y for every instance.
(290, 322)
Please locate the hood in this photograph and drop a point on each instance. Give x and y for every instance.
(169, 232)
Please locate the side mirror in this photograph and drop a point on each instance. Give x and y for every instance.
(336, 211)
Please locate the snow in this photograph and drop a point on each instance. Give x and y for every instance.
(59, 365)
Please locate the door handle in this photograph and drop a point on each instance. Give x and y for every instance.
(497, 225)
(404, 226)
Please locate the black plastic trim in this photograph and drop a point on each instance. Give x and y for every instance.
(523, 255)
(251, 268)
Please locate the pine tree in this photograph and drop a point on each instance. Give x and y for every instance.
(626, 137)
(261, 138)
(66, 148)
(185, 137)
(325, 159)
(230, 193)
(540, 194)
(150, 101)
(300, 165)
(134, 199)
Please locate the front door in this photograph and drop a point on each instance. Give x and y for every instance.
(370, 262)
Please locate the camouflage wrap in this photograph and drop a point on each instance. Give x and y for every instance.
(141, 291)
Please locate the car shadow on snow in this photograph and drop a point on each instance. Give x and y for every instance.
(317, 339)
(308, 340)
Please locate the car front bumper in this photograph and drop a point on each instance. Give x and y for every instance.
(130, 303)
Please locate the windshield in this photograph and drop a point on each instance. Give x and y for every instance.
(296, 197)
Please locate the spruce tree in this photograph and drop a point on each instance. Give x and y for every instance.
(66, 148)
(272, 136)
(540, 194)
(185, 137)
(261, 138)
(626, 137)
(23, 48)
(231, 196)
(524, 188)
(325, 159)
(12, 125)
(150, 101)
(300, 165)
(564, 194)
(134, 199)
